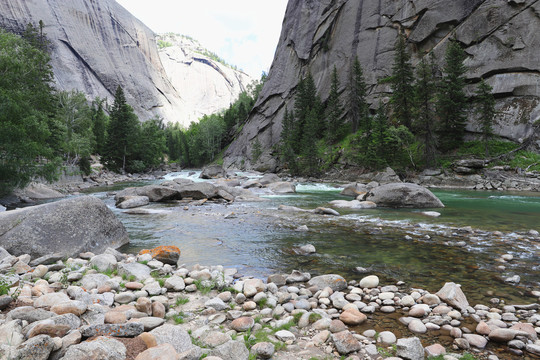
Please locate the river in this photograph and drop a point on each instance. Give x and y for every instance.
(259, 239)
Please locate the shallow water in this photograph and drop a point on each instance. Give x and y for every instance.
(258, 239)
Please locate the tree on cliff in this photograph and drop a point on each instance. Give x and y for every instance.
(424, 109)
(401, 81)
(306, 100)
(358, 108)
(334, 110)
(27, 105)
(99, 125)
(485, 108)
(122, 134)
(452, 101)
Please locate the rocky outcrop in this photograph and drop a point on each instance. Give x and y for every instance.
(67, 227)
(498, 37)
(98, 45)
(206, 85)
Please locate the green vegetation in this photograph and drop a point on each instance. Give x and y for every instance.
(465, 356)
(162, 44)
(181, 301)
(486, 111)
(204, 286)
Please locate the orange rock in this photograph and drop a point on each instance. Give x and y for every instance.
(165, 254)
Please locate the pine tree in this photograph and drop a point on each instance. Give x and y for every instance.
(424, 125)
(380, 127)
(122, 133)
(309, 144)
(486, 111)
(401, 82)
(452, 101)
(99, 126)
(306, 100)
(286, 142)
(334, 110)
(359, 109)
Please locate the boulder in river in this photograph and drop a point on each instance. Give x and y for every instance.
(269, 179)
(399, 195)
(355, 189)
(452, 294)
(68, 227)
(155, 193)
(282, 187)
(212, 172)
(130, 202)
(353, 204)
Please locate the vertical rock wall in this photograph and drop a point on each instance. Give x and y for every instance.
(500, 38)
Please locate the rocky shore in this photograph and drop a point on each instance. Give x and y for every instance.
(150, 306)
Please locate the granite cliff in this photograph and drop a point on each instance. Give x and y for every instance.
(499, 37)
(97, 45)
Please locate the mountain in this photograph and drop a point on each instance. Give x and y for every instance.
(97, 45)
(208, 84)
(499, 38)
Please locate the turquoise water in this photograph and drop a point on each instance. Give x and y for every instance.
(259, 240)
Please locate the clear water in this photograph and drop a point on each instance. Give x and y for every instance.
(259, 240)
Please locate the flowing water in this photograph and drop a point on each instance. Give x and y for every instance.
(259, 239)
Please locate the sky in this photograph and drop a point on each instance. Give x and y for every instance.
(243, 32)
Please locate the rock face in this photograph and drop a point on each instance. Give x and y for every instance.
(318, 35)
(68, 227)
(206, 85)
(403, 195)
(99, 45)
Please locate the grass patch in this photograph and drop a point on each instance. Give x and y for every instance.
(526, 160)
(204, 286)
(262, 302)
(477, 148)
(313, 317)
(179, 318)
(181, 300)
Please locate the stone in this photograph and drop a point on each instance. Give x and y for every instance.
(174, 335)
(335, 282)
(215, 338)
(431, 299)
(52, 330)
(407, 301)
(452, 294)
(118, 330)
(387, 338)
(352, 317)
(11, 333)
(369, 282)
(36, 348)
(149, 322)
(67, 227)
(297, 276)
(158, 309)
(435, 350)
(100, 348)
(131, 202)
(175, 283)
(398, 195)
(326, 211)
(166, 254)
(345, 342)
(125, 297)
(216, 303)
(74, 307)
(115, 317)
(285, 335)
(103, 262)
(410, 348)
(5, 300)
(93, 281)
(159, 352)
(337, 326)
(282, 187)
(353, 204)
(477, 341)
(231, 350)
(417, 326)
(212, 172)
(502, 335)
(263, 350)
(48, 300)
(137, 271)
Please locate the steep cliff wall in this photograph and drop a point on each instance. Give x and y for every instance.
(500, 38)
(207, 85)
(96, 46)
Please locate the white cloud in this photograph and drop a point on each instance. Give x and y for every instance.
(243, 32)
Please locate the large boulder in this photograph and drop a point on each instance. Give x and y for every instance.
(399, 195)
(155, 193)
(212, 172)
(269, 178)
(198, 191)
(68, 227)
(282, 187)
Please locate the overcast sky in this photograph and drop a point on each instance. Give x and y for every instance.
(243, 32)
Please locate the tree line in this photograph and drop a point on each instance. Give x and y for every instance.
(425, 116)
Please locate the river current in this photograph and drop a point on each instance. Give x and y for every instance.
(425, 252)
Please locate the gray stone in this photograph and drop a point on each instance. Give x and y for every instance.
(131, 202)
(67, 227)
(263, 350)
(118, 330)
(47, 259)
(174, 335)
(139, 271)
(231, 350)
(30, 314)
(37, 348)
(216, 303)
(175, 283)
(335, 282)
(475, 340)
(103, 262)
(326, 211)
(100, 348)
(410, 349)
(150, 322)
(285, 335)
(5, 300)
(282, 187)
(345, 342)
(212, 171)
(399, 195)
(452, 294)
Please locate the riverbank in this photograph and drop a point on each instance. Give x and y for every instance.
(152, 306)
